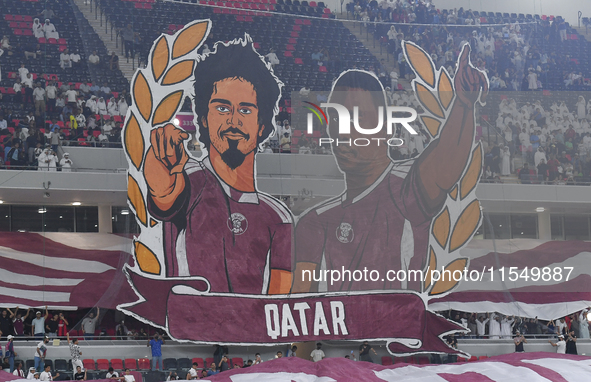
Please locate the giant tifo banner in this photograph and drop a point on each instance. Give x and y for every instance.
(214, 250)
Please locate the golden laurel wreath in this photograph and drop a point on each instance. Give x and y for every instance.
(158, 92)
(460, 218)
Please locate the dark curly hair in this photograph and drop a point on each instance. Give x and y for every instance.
(237, 59)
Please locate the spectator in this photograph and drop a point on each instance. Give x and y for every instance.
(38, 29)
(452, 342)
(212, 370)
(285, 143)
(71, 96)
(105, 91)
(50, 31)
(156, 345)
(22, 72)
(10, 353)
(55, 141)
(94, 59)
(257, 359)
(65, 60)
(278, 355)
(40, 353)
(51, 93)
(305, 91)
(127, 35)
(38, 324)
(519, 340)
(80, 375)
(193, 372)
(75, 352)
(39, 96)
(75, 59)
(112, 107)
(571, 342)
(19, 371)
(128, 376)
(6, 323)
(506, 161)
(18, 321)
(560, 345)
(223, 364)
(583, 324)
(172, 376)
(122, 106)
(272, 58)
(53, 324)
(46, 375)
(293, 351)
(481, 325)
(89, 323)
(121, 331)
(364, 350)
(28, 84)
(101, 106)
(112, 374)
(113, 61)
(317, 354)
(47, 161)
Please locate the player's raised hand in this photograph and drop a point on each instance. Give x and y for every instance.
(168, 147)
(470, 83)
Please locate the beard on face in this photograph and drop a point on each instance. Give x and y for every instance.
(232, 156)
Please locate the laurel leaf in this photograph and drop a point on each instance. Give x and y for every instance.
(428, 100)
(146, 259)
(142, 96)
(445, 89)
(160, 58)
(189, 39)
(432, 266)
(465, 226)
(431, 124)
(134, 141)
(447, 282)
(441, 228)
(167, 108)
(134, 194)
(179, 72)
(454, 192)
(472, 175)
(421, 63)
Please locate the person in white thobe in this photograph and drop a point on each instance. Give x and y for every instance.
(50, 31)
(494, 327)
(38, 31)
(507, 327)
(481, 326)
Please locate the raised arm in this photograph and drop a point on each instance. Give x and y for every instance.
(442, 163)
(12, 314)
(68, 337)
(27, 315)
(46, 312)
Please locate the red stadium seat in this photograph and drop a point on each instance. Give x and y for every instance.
(102, 364)
(256, 45)
(144, 364)
(387, 361)
(18, 18)
(27, 32)
(289, 47)
(292, 40)
(62, 41)
(299, 21)
(482, 357)
(13, 24)
(96, 133)
(199, 361)
(307, 22)
(51, 41)
(294, 34)
(326, 10)
(117, 363)
(28, 18)
(297, 28)
(322, 69)
(237, 361)
(88, 363)
(299, 61)
(117, 118)
(208, 361)
(287, 53)
(18, 32)
(8, 17)
(473, 358)
(130, 363)
(312, 3)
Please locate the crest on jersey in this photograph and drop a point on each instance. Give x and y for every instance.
(345, 233)
(237, 223)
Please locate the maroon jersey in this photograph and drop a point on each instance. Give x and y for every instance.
(231, 238)
(384, 228)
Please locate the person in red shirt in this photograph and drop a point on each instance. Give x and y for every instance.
(553, 164)
(62, 326)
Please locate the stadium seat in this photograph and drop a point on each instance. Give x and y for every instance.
(130, 363)
(387, 360)
(200, 362)
(155, 376)
(144, 364)
(184, 363)
(208, 361)
(473, 358)
(88, 363)
(237, 361)
(90, 375)
(29, 364)
(49, 362)
(170, 364)
(482, 357)
(61, 365)
(102, 364)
